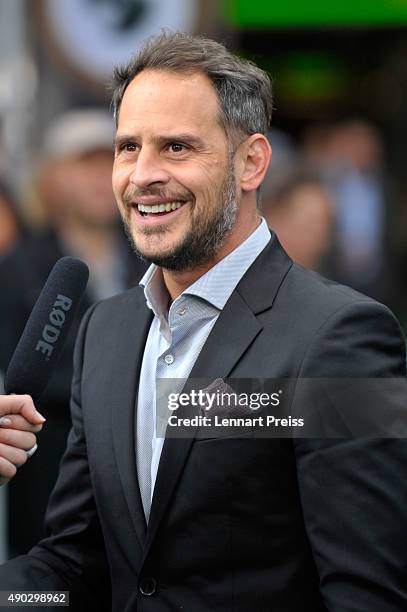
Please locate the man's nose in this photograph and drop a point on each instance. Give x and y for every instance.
(149, 169)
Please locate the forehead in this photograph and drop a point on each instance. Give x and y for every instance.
(169, 100)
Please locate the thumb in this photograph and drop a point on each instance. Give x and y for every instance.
(21, 404)
(30, 412)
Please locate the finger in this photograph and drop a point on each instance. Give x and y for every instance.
(16, 421)
(7, 470)
(20, 404)
(13, 455)
(18, 439)
(31, 451)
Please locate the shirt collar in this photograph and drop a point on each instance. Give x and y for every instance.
(216, 285)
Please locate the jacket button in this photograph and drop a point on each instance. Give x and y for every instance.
(148, 586)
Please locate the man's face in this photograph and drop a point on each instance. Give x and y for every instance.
(172, 157)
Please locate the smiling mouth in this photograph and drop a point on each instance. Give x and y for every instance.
(159, 209)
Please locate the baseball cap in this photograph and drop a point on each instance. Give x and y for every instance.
(78, 132)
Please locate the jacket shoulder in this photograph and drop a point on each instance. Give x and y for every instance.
(111, 310)
(343, 322)
(317, 298)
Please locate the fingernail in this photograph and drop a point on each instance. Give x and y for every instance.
(43, 419)
(5, 422)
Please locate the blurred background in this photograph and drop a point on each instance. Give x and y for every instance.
(336, 192)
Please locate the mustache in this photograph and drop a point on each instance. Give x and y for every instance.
(131, 195)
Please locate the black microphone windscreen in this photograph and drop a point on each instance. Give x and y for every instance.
(42, 340)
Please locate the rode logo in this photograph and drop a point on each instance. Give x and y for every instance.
(52, 330)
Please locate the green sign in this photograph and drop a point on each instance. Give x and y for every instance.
(258, 14)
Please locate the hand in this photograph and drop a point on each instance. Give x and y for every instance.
(19, 421)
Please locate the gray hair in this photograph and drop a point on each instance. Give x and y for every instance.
(244, 90)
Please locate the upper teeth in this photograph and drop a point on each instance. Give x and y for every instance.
(156, 208)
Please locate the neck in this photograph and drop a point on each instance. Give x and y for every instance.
(177, 281)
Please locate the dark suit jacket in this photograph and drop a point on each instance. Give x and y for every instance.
(237, 524)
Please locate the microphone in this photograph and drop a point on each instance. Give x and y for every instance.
(44, 335)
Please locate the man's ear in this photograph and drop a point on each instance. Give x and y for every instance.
(256, 158)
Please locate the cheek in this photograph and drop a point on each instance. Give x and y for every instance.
(118, 188)
(205, 181)
(120, 178)
(116, 191)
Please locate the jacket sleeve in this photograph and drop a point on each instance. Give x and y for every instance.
(72, 556)
(354, 488)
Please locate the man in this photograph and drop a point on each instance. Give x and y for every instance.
(236, 522)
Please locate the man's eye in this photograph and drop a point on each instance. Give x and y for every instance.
(176, 147)
(126, 147)
(129, 146)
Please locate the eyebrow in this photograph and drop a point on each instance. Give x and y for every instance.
(183, 137)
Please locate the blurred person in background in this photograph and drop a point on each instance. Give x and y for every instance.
(350, 156)
(11, 223)
(301, 212)
(74, 189)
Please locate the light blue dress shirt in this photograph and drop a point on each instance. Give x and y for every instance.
(177, 335)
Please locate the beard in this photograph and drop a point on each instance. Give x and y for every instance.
(202, 242)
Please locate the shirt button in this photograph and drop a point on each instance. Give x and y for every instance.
(169, 359)
(182, 311)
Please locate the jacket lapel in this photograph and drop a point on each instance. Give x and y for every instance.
(233, 332)
(131, 339)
